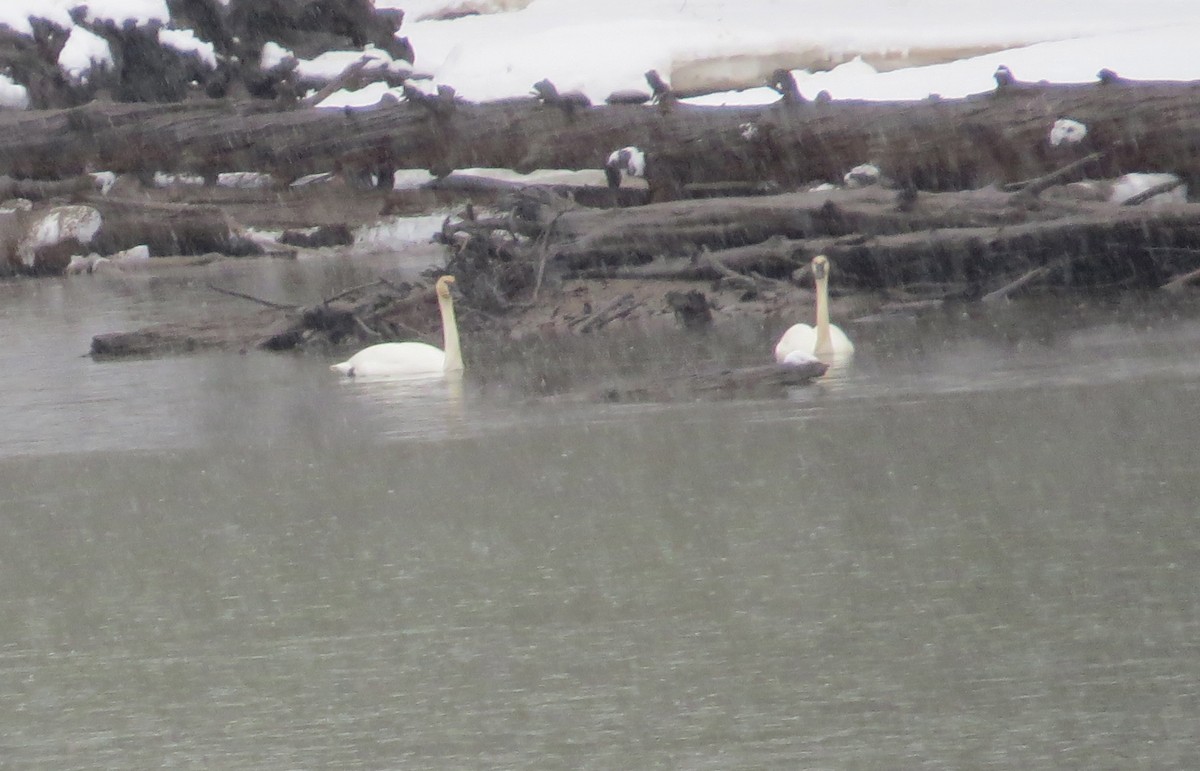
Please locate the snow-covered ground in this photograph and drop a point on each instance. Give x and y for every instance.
(866, 49)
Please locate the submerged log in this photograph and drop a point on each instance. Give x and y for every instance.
(768, 379)
(229, 333)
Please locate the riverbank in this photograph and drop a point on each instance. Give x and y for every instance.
(657, 272)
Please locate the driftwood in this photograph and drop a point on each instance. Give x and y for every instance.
(379, 310)
(167, 229)
(1179, 283)
(585, 238)
(1032, 188)
(1025, 279)
(999, 137)
(35, 190)
(975, 239)
(948, 246)
(970, 207)
(1148, 193)
(618, 308)
(230, 333)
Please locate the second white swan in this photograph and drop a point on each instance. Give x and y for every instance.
(825, 341)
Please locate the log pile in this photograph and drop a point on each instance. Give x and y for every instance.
(361, 315)
(999, 137)
(963, 199)
(967, 245)
(984, 245)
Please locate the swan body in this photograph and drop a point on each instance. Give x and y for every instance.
(824, 341)
(394, 359)
(412, 359)
(799, 340)
(799, 358)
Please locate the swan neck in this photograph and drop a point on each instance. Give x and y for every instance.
(824, 342)
(450, 347)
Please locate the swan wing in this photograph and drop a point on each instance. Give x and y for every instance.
(798, 338)
(394, 359)
(799, 358)
(839, 341)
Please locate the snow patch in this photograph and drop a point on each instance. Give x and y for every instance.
(1128, 186)
(104, 181)
(862, 175)
(330, 64)
(600, 48)
(15, 14)
(1067, 131)
(411, 179)
(540, 177)
(245, 179)
(425, 10)
(162, 179)
(13, 95)
(83, 52)
(185, 41)
(367, 96)
(273, 55)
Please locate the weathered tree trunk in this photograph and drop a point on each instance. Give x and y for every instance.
(932, 145)
(588, 237)
(971, 242)
(167, 229)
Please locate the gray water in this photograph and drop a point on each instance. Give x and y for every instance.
(978, 547)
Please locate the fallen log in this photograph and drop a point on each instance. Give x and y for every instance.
(229, 333)
(934, 145)
(744, 266)
(583, 238)
(1031, 188)
(35, 190)
(622, 306)
(369, 313)
(965, 238)
(1103, 245)
(1178, 283)
(1005, 292)
(167, 229)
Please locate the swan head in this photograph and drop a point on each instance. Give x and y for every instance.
(820, 267)
(442, 287)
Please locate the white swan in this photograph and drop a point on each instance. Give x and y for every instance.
(826, 341)
(412, 359)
